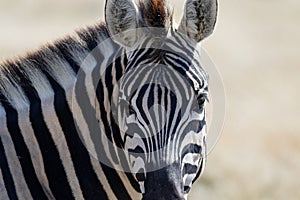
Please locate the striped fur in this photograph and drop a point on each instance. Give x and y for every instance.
(59, 136)
(41, 148)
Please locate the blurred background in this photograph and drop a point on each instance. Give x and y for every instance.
(256, 48)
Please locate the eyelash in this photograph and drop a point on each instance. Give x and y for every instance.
(131, 110)
(202, 98)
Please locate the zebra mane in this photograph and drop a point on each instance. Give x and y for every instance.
(61, 59)
(88, 37)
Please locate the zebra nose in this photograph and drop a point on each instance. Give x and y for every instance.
(164, 184)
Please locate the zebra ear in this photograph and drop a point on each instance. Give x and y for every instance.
(122, 19)
(199, 18)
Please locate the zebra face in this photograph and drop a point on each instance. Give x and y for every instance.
(162, 120)
(162, 93)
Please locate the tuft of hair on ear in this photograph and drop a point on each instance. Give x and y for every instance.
(156, 13)
(121, 17)
(199, 19)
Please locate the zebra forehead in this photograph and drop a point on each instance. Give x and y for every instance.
(161, 77)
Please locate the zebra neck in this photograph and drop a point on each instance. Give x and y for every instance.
(54, 70)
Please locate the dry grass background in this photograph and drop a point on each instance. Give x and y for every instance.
(256, 48)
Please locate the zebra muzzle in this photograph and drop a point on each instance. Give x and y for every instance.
(164, 184)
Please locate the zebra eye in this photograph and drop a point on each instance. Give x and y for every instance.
(127, 107)
(201, 99)
(131, 110)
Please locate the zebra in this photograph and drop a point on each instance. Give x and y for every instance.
(121, 120)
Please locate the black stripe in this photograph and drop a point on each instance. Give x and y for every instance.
(112, 176)
(189, 169)
(133, 182)
(108, 81)
(139, 101)
(195, 126)
(22, 151)
(140, 55)
(90, 185)
(7, 176)
(177, 62)
(54, 169)
(186, 47)
(115, 182)
(120, 144)
(200, 169)
(178, 119)
(186, 54)
(115, 128)
(191, 148)
(120, 63)
(97, 82)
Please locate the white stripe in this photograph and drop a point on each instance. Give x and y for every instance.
(39, 83)
(45, 92)
(3, 192)
(83, 131)
(146, 71)
(59, 139)
(102, 178)
(191, 158)
(13, 160)
(106, 142)
(131, 191)
(34, 150)
(188, 179)
(88, 65)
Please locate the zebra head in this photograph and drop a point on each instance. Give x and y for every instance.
(162, 93)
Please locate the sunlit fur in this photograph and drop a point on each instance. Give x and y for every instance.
(56, 143)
